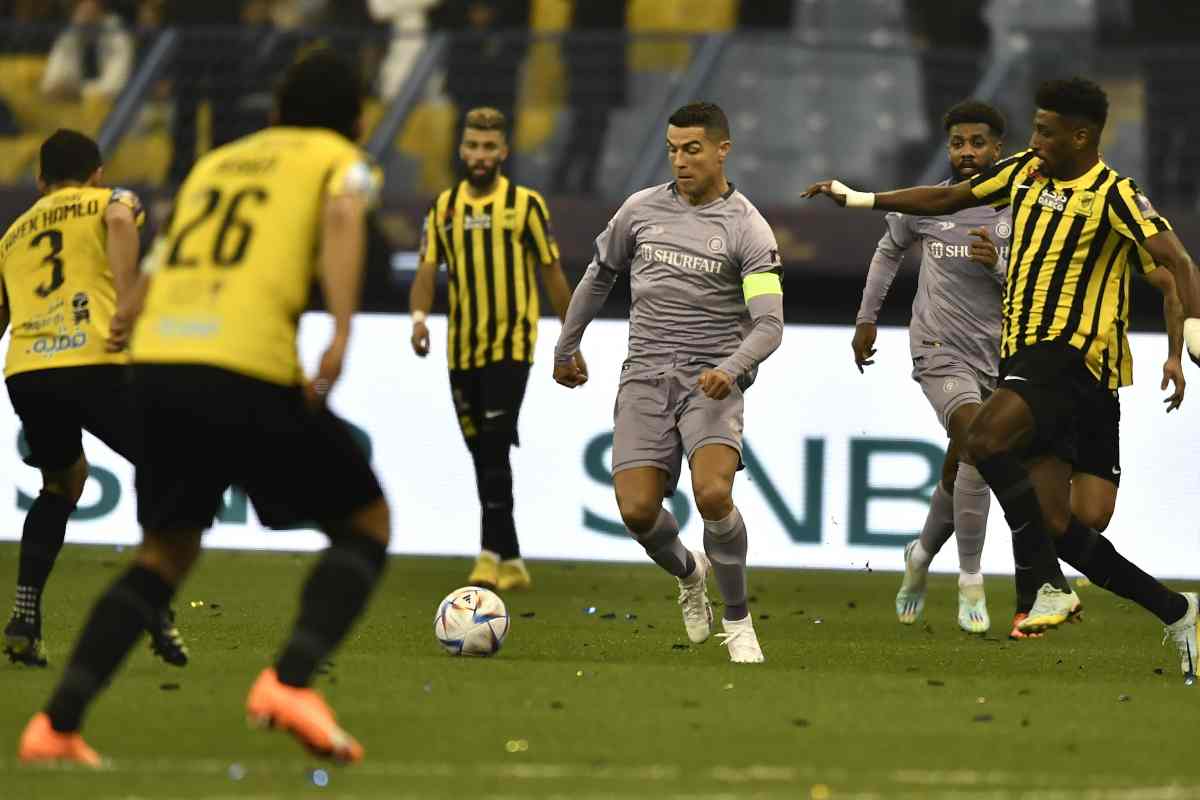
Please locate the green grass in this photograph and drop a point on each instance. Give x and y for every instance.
(848, 699)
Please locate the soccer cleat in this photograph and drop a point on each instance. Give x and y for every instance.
(742, 641)
(302, 713)
(1052, 608)
(23, 643)
(910, 600)
(513, 575)
(486, 572)
(40, 742)
(693, 597)
(1183, 634)
(972, 609)
(1016, 633)
(165, 640)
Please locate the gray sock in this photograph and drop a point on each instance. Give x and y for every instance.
(725, 544)
(939, 522)
(972, 499)
(662, 544)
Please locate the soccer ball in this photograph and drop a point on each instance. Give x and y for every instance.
(471, 621)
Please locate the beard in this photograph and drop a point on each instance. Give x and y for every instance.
(482, 180)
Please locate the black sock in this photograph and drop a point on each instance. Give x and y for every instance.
(112, 629)
(1009, 480)
(493, 476)
(1023, 576)
(1094, 556)
(333, 597)
(41, 541)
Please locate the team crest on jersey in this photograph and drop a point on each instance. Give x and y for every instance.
(1003, 230)
(716, 244)
(508, 219)
(1087, 202)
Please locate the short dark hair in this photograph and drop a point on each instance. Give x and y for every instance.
(1077, 97)
(321, 90)
(969, 111)
(703, 115)
(68, 156)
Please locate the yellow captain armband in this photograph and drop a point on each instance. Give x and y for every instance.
(761, 283)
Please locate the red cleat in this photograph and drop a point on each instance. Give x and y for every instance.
(1016, 633)
(40, 742)
(304, 714)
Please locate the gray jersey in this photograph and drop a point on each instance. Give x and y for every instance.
(687, 265)
(958, 301)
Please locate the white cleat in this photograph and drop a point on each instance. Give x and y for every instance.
(693, 598)
(1051, 608)
(972, 609)
(910, 600)
(742, 641)
(1183, 634)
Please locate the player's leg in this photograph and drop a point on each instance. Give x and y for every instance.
(503, 391)
(125, 609)
(1093, 500)
(972, 502)
(466, 387)
(919, 553)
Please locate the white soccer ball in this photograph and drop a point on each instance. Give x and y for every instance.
(471, 621)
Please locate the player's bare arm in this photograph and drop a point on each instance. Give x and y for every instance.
(343, 251)
(932, 201)
(559, 292)
(863, 344)
(1166, 250)
(1173, 317)
(420, 300)
(122, 251)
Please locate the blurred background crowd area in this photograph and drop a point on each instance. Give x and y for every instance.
(813, 88)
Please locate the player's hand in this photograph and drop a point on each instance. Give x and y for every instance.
(1173, 374)
(328, 371)
(984, 251)
(581, 365)
(864, 344)
(420, 339)
(716, 383)
(120, 329)
(569, 374)
(825, 188)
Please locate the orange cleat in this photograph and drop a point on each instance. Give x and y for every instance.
(1016, 633)
(40, 742)
(304, 714)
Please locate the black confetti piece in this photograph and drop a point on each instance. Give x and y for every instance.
(982, 718)
(800, 722)
(932, 682)
(529, 615)
(169, 687)
(678, 646)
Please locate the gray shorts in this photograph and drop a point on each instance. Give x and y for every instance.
(950, 382)
(661, 415)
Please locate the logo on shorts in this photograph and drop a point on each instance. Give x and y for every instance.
(1003, 230)
(716, 244)
(1117, 471)
(949, 386)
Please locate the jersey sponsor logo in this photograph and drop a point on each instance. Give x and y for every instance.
(939, 250)
(1052, 200)
(1003, 230)
(49, 345)
(716, 244)
(477, 222)
(79, 304)
(946, 226)
(674, 258)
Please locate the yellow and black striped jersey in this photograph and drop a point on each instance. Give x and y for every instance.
(56, 280)
(235, 267)
(1116, 360)
(491, 247)
(1068, 264)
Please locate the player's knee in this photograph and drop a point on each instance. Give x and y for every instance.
(714, 498)
(949, 475)
(69, 482)
(639, 513)
(171, 555)
(1057, 520)
(373, 521)
(984, 442)
(495, 486)
(1095, 517)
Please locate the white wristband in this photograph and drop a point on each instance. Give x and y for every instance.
(419, 317)
(1191, 336)
(854, 199)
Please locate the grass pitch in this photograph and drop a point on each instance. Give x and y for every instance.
(617, 703)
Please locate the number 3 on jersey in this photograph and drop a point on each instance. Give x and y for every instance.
(232, 237)
(55, 237)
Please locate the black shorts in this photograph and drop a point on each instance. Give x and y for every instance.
(488, 399)
(207, 429)
(56, 405)
(1099, 451)
(1054, 381)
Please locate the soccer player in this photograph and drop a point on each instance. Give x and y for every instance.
(954, 339)
(707, 309)
(1074, 221)
(68, 266)
(494, 237)
(1096, 475)
(223, 401)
